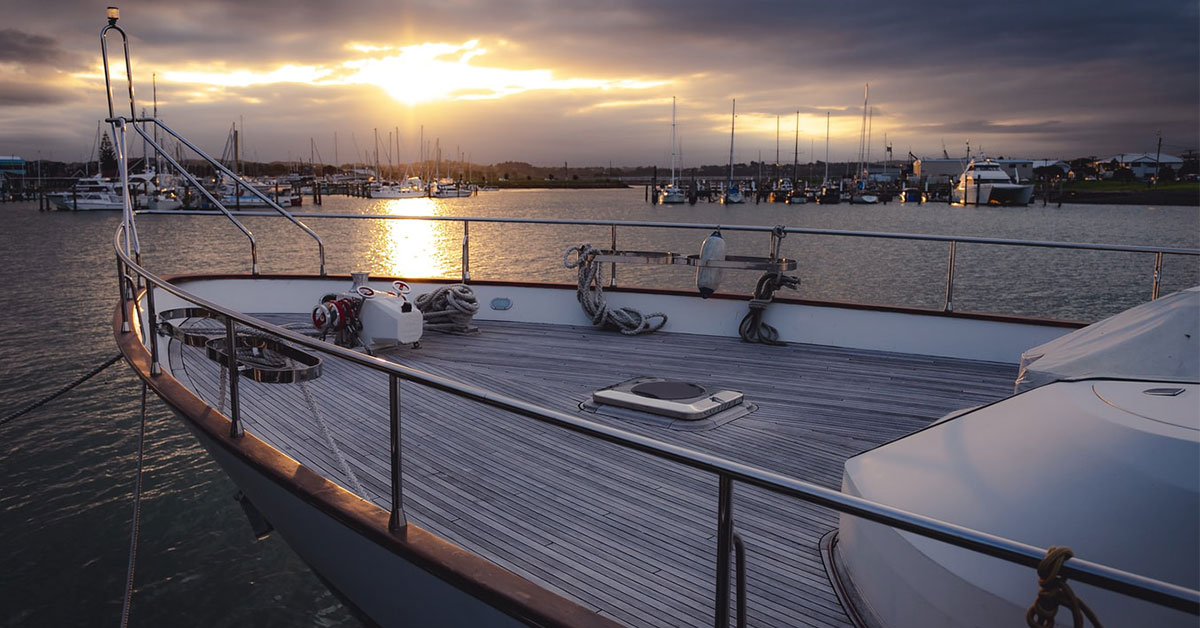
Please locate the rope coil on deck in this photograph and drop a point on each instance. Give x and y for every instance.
(449, 309)
(1053, 591)
(590, 293)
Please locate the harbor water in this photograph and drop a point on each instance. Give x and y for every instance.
(67, 469)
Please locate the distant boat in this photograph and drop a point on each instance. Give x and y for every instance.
(447, 188)
(911, 195)
(864, 198)
(412, 187)
(733, 194)
(90, 194)
(672, 195)
(986, 183)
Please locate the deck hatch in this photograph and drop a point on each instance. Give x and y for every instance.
(672, 398)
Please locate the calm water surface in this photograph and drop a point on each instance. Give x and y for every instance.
(66, 470)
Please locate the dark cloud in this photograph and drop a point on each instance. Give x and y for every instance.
(23, 94)
(32, 50)
(1046, 78)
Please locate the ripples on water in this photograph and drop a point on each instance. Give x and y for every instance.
(66, 469)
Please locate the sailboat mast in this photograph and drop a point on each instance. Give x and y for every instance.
(776, 173)
(672, 141)
(862, 133)
(732, 121)
(796, 154)
(826, 179)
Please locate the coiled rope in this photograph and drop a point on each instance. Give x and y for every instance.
(449, 309)
(61, 391)
(1053, 591)
(590, 293)
(753, 329)
(137, 515)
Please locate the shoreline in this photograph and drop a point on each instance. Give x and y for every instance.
(1186, 198)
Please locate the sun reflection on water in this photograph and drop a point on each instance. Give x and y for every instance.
(415, 248)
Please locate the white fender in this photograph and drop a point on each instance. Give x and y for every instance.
(707, 279)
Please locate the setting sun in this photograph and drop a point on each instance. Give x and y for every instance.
(413, 74)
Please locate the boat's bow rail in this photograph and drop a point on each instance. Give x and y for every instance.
(141, 305)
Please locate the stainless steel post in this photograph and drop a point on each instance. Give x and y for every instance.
(1157, 275)
(397, 521)
(235, 414)
(125, 328)
(740, 552)
(724, 541)
(466, 251)
(152, 336)
(949, 304)
(612, 278)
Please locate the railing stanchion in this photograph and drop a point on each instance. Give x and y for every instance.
(152, 334)
(724, 541)
(739, 549)
(949, 304)
(235, 414)
(1157, 275)
(612, 278)
(397, 521)
(121, 285)
(466, 251)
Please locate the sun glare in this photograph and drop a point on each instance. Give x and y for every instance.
(414, 74)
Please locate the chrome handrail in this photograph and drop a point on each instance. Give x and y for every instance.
(1156, 591)
(953, 241)
(279, 211)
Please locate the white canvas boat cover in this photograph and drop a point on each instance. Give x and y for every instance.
(1157, 341)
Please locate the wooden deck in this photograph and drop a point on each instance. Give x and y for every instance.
(618, 531)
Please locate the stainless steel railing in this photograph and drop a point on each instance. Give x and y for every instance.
(727, 472)
(951, 241)
(119, 124)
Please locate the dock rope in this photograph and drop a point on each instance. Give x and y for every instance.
(61, 391)
(449, 309)
(753, 329)
(137, 514)
(590, 293)
(1053, 591)
(328, 434)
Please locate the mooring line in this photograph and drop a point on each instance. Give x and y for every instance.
(137, 514)
(61, 391)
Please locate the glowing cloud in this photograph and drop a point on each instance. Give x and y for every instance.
(414, 74)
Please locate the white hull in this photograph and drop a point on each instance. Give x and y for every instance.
(733, 197)
(671, 196)
(388, 193)
(387, 588)
(86, 205)
(992, 194)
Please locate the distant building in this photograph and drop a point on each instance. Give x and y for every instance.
(1143, 165)
(1052, 163)
(12, 174)
(943, 171)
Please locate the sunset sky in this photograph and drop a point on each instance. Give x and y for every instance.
(591, 82)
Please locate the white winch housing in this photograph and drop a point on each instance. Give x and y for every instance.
(389, 319)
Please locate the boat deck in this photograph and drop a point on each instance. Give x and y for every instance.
(618, 531)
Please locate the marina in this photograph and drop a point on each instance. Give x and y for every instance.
(880, 400)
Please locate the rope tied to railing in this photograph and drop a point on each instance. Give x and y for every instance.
(753, 329)
(590, 293)
(1053, 591)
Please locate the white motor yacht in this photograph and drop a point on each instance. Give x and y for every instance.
(986, 183)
